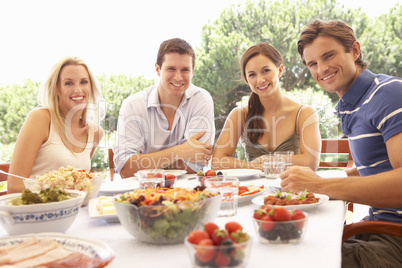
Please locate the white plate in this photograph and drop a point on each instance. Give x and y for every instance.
(259, 200)
(241, 173)
(176, 172)
(276, 184)
(119, 186)
(90, 247)
(94, 213)
(247, 198)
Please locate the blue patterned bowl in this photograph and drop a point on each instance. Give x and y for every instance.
(37, 218)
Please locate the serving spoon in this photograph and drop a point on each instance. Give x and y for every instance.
(1, 171)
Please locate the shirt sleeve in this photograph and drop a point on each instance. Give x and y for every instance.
(132, 130)
(387, 109)
(201, 118)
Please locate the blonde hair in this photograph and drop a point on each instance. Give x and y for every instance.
(48, 98)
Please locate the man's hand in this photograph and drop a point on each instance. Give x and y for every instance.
(297, 179)
(195, 151)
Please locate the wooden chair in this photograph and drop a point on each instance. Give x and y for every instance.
(383, 227)
(3, 177)
(111, 164)
(336, 146)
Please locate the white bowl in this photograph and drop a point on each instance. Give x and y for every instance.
(37, 218)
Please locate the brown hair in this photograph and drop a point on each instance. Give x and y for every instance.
(255, 108)
(336, 29)
(174, 45)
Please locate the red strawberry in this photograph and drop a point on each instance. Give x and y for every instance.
(210, 173)
(196, 236)
(233, 226)
(266, 208)
(218, 236)
(210, 227)
(221, 260)
(298, 215)
(267, 223)
(205, 251)
(258, 213)
(281, 214)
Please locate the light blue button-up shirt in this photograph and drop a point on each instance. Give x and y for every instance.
(143, 128)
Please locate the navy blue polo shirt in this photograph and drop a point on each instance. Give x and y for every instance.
(371, 113)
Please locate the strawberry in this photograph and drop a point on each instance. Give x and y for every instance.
(210, 173)
(196, 236)
(221, 260)
(298, 215)
(205, 251)
(258, 213)
(267, 223)
(218, 236)
(266, 208)
(239, 236)
(281, 214)
(233, 226)
(210, 227)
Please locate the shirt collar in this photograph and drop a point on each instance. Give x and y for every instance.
(359, 87)
(153, 99)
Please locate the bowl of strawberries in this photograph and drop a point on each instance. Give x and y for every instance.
(219, 247)
(278, 225)
(202, 176)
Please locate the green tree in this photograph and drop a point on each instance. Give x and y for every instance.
(382, 43)
(115, 89)
(15, 103)
(278, 23)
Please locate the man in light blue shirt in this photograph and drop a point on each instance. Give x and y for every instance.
(169, 125)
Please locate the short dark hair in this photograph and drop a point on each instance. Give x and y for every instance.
(174, 45)
(336, 29)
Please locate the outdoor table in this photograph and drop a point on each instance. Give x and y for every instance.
(321, 246)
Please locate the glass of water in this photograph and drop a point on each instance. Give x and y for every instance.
(273, 166)
(228, 188)
(288, 157)
(151, 178)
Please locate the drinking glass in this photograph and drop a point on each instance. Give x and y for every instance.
(151, 178)
(288, 156)
(273, 166)
(228, 187)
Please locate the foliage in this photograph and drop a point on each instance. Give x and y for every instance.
(15, 103)
(280, 23)
(115, 89)
(382, 43)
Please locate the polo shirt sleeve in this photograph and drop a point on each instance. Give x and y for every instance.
(201, 118)
(386, 108)
(131, 134)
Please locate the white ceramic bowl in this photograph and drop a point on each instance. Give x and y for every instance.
(35, 186)
(37, 218)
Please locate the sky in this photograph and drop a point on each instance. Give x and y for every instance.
(112, 37)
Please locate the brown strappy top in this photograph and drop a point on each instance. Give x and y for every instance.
(292, 143)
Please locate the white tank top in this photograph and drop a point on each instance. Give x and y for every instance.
(53, 154)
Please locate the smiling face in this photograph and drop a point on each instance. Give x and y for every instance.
(74, 87)
(330, 65)
(175, 75)
(263, 75)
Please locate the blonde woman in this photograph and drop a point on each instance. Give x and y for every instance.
(58, 132)
(271, 122)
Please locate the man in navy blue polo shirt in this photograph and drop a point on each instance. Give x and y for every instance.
(370, 108)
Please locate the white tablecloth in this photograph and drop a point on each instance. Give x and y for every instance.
(321, 246)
